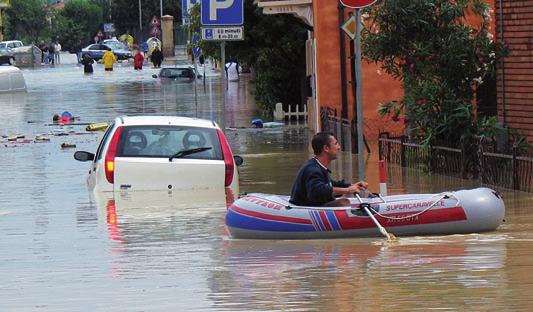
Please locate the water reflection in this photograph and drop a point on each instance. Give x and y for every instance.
(347, 275)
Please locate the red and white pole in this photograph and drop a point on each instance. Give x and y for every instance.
(382, 178)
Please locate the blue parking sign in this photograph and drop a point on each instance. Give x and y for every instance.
(222, 12)
(195, 49)
(186, 5)
(208, 33)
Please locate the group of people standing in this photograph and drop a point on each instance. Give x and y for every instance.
(109, 59)
(50, 53)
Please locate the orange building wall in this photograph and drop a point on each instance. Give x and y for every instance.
(377, 87)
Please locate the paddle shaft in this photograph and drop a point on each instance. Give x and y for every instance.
(389, 236)
(380, 227)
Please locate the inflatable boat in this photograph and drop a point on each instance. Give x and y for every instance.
(266, 216)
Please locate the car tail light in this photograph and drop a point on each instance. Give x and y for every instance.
(110, 156)
(228, 157)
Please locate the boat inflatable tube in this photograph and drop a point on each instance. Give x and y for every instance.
(267, 216)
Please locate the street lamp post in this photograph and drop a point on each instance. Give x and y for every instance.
(140, 17)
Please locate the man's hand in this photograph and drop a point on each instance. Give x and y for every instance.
(357, 187)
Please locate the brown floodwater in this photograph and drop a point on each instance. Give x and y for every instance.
(63, 248)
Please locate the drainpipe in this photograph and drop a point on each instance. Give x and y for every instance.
(502, 61)
(344, 111)
(344, 95)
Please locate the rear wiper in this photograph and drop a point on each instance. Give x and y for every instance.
(186, 152)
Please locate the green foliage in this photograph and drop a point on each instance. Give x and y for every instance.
(125, 13)
(77, 23)
(274, 47)
(26, 21)
(439, 59)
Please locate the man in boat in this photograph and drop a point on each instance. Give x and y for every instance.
(313, 185)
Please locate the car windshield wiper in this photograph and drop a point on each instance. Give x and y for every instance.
(186, 152)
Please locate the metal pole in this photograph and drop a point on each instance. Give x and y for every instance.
(224, 88)
(359, 95)
(140, 17)
(195, 85)
(1, 25)
(161, 10)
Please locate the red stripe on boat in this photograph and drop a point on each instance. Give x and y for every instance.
(325, 220)
(268, 216)
(431, 216)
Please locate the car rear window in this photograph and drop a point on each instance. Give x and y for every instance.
(176, 73)
(165, 141)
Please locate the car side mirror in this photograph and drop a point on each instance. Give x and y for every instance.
(83, 156)
(238, 160)
(154, 76)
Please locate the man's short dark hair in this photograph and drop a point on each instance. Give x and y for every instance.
(319, 140)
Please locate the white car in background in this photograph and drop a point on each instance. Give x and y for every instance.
(154, 153)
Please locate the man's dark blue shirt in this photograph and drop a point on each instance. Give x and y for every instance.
(313, 185)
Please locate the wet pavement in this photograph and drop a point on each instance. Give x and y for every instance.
(63, 248)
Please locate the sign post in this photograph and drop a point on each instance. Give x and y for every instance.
(357, 5)
(222, 13)
(196, 53)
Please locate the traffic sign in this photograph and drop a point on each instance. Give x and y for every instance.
(222, 33)
(222, 12)
(196, 50)
(155, 31)
(108, 27)
(357, 4)
(349, 27)
(155, 21)
(186, 6)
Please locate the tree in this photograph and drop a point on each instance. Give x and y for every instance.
(273, 46)
(77, 23)
(27, 20)
(440, 60)
(125, 13)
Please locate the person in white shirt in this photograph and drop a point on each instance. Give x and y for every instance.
(232, 71)
(58, 50)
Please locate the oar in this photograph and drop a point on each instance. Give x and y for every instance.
(390, 237)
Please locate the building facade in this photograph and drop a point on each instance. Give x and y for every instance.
(330, 66)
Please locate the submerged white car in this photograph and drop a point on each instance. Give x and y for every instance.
(153, 153)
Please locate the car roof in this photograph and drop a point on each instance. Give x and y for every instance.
(9, 69)
(183, 66)
(165, 120)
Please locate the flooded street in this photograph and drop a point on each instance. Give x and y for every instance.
(63, 248)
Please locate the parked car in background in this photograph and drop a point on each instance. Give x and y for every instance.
(6, 54)
(154, 153)
(183, 73)
(13, 44)
(97, 50)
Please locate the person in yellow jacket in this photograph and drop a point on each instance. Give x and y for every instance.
(108, 60)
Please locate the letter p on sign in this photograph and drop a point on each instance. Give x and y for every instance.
(214, 6)
(222, 12)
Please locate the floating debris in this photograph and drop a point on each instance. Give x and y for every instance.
(68, 145)
(101, 126)
(42, 138)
